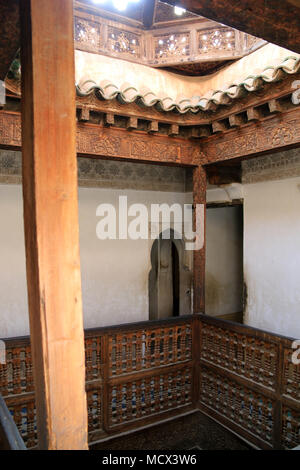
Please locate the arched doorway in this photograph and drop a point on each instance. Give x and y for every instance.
(169, 280)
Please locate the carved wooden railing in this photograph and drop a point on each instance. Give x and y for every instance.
(143, 373)
(249, 383)
(136, 374)
(168, 45)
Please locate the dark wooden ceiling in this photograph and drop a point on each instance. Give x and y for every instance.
(10, 34)
(276, 21)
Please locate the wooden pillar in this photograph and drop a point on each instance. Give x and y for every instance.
(51, 222)
(199, 197)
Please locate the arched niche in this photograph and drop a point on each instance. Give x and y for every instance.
(169, 282)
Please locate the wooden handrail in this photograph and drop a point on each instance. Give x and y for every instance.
(246, 329)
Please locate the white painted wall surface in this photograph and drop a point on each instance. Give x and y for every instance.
(272, 255)
(13, 291)
(114, 272)
(224, 261)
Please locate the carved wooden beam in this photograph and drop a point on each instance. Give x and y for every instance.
(236, 120)
(273, 20)
(199, 197)
(276, 133)
(132, 123)
(174, 130)
(254, 114)
(275, 106)
(109, 119)
(148, 13)
(110, 142)
(152, 127)
(219, 126)
(84, 114)
(199, 132)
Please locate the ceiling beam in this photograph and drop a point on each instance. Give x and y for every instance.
(10, 34)
(275, 21)
(148, 13)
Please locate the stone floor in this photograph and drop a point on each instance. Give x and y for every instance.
(189, 432)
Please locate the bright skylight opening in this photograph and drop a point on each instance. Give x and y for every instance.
(179, 11)
(119, 5)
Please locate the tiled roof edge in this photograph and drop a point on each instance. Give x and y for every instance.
(106, 90)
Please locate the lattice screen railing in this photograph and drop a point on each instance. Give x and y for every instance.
(135, 374)
(249, 383)
(144, 373)
(161, 46)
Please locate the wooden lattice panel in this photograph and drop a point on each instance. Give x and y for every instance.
(94, 399)
(290, 427)
(124, 43)
(214, 41)
(16, 375)
(247, 356)
(248, 409)
(149, 348)
(142, 397)
(291, 376)
(87, 35)
(169, 46)
(93, 360)
(139, 374)
(24, 415)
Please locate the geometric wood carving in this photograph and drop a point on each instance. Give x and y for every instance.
(280, 131)
(96, 140)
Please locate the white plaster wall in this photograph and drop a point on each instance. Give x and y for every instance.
(272, 255)
(224, 261)
(114, 272)
(13, 293)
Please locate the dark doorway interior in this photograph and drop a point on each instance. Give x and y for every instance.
(169, 279)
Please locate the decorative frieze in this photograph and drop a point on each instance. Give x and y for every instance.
(165, 45)
(87, 34)
(123, 43)
(108, 174)
(275, 133)
(172, 47)
(217, 40)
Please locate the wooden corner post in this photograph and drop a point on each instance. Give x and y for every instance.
(199, 197)
(51, 222)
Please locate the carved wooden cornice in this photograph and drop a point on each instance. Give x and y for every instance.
(274, 133)
(98, 140)
(278, 131)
